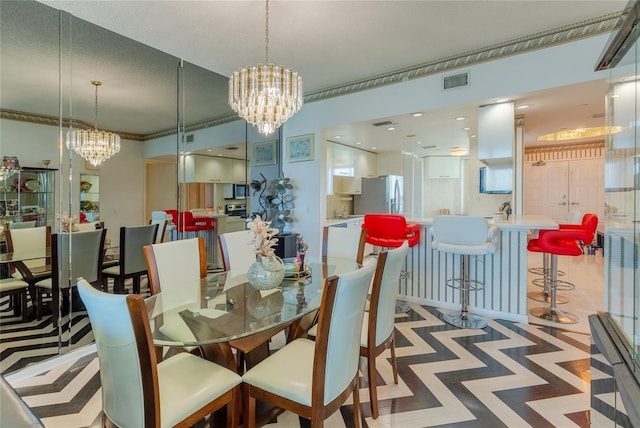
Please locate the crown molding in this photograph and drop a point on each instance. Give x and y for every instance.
(560, 35)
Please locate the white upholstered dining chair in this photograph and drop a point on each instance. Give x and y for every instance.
(313, 379)
(378, 326)
(86, 251)
(345, 242)
(137, 391)
(236, 251)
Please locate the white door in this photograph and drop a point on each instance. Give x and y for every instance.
(547, 189)
(586, 186)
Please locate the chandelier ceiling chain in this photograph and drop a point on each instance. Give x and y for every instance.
(94, 145)
(265, 95)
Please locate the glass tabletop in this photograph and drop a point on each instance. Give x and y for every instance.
(21, 256)
(225, 306)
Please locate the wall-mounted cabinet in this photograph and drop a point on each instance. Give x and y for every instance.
(28, 194)
(352, 163)
(443, 167)
(210, 169)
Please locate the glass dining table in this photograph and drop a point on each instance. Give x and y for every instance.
(224, 306)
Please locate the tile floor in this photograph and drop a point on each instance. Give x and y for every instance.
(506, 375)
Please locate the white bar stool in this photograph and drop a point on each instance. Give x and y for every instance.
(465, 236)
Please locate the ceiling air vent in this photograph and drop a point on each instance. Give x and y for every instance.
(385, 123)
(188, 138)
(455, 81)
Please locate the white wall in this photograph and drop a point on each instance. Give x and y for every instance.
(542, 69)
(122, 178)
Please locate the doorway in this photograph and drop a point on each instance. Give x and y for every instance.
(558, 187)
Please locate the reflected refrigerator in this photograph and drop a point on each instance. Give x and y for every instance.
(380, 195)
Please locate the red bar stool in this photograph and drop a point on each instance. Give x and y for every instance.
(589, 223)
(561, 242)
(390, 231)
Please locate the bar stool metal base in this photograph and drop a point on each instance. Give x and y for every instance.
(541, 296)
(554, 315)
(460, 320)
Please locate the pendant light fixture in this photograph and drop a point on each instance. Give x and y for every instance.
(265, 95)
(92, 144)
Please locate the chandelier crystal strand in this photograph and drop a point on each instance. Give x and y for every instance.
(265, 95)
(94, 145)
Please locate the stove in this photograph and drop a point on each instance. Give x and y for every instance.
(236, 210)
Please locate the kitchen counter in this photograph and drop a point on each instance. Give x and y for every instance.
(503, 273)
(345, 221)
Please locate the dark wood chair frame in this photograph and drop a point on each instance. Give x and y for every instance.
(318, 411)
(150, 386)
(370, 352)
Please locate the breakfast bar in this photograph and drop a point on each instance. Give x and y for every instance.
(503, 273)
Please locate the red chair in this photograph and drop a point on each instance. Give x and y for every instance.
(589, 224)
(563, 242)
(390, 230)
(187, 223)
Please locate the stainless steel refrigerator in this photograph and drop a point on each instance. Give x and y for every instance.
(380, 195)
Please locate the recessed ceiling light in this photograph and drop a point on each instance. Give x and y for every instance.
(373, 148)
(502, 100)
(219, 154)
(466, 128)
(472, 136)
(523, 106)
(458, 151)
(461, 118)
(391, 128)
(417, 114)
(209, 150)
(358, 143)
(338, 136)
(418, 142)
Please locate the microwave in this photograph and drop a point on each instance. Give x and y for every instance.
(235, 191)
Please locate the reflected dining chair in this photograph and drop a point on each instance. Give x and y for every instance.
(86, 251)
(132, 263)
(22, 224)
(314, 378)
(17, 289)
(30, 239)
(137, 391)
(160, 218)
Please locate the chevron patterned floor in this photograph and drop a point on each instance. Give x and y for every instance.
(506, 375)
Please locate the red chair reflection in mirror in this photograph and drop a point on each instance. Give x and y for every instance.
(390, 231)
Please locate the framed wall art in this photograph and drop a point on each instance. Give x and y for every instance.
(265, 153)
(300, 148)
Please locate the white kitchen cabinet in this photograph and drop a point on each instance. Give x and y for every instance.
(365, 167)
(443, 167)
(349, 165)
(208, 169)
(239, 167)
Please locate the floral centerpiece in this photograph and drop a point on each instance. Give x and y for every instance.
(268, 270)
(262, 236)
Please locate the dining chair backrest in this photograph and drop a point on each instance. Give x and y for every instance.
(173, 263)
(344, 242)
(132, 240)
(337, 346)
(22, 224)
(29, 239)
(236, 250)
(383, 294)
(460, 230)
(123, 373)
(162, 227)
(87, 253)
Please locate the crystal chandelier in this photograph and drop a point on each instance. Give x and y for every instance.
(92, 144)
(265, 95)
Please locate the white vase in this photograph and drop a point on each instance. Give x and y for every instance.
(266, 272)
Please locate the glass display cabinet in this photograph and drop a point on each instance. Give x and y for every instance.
(616, 329)
(28, 194)
(90, 197)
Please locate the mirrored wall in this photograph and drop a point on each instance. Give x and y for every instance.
(164, 110)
